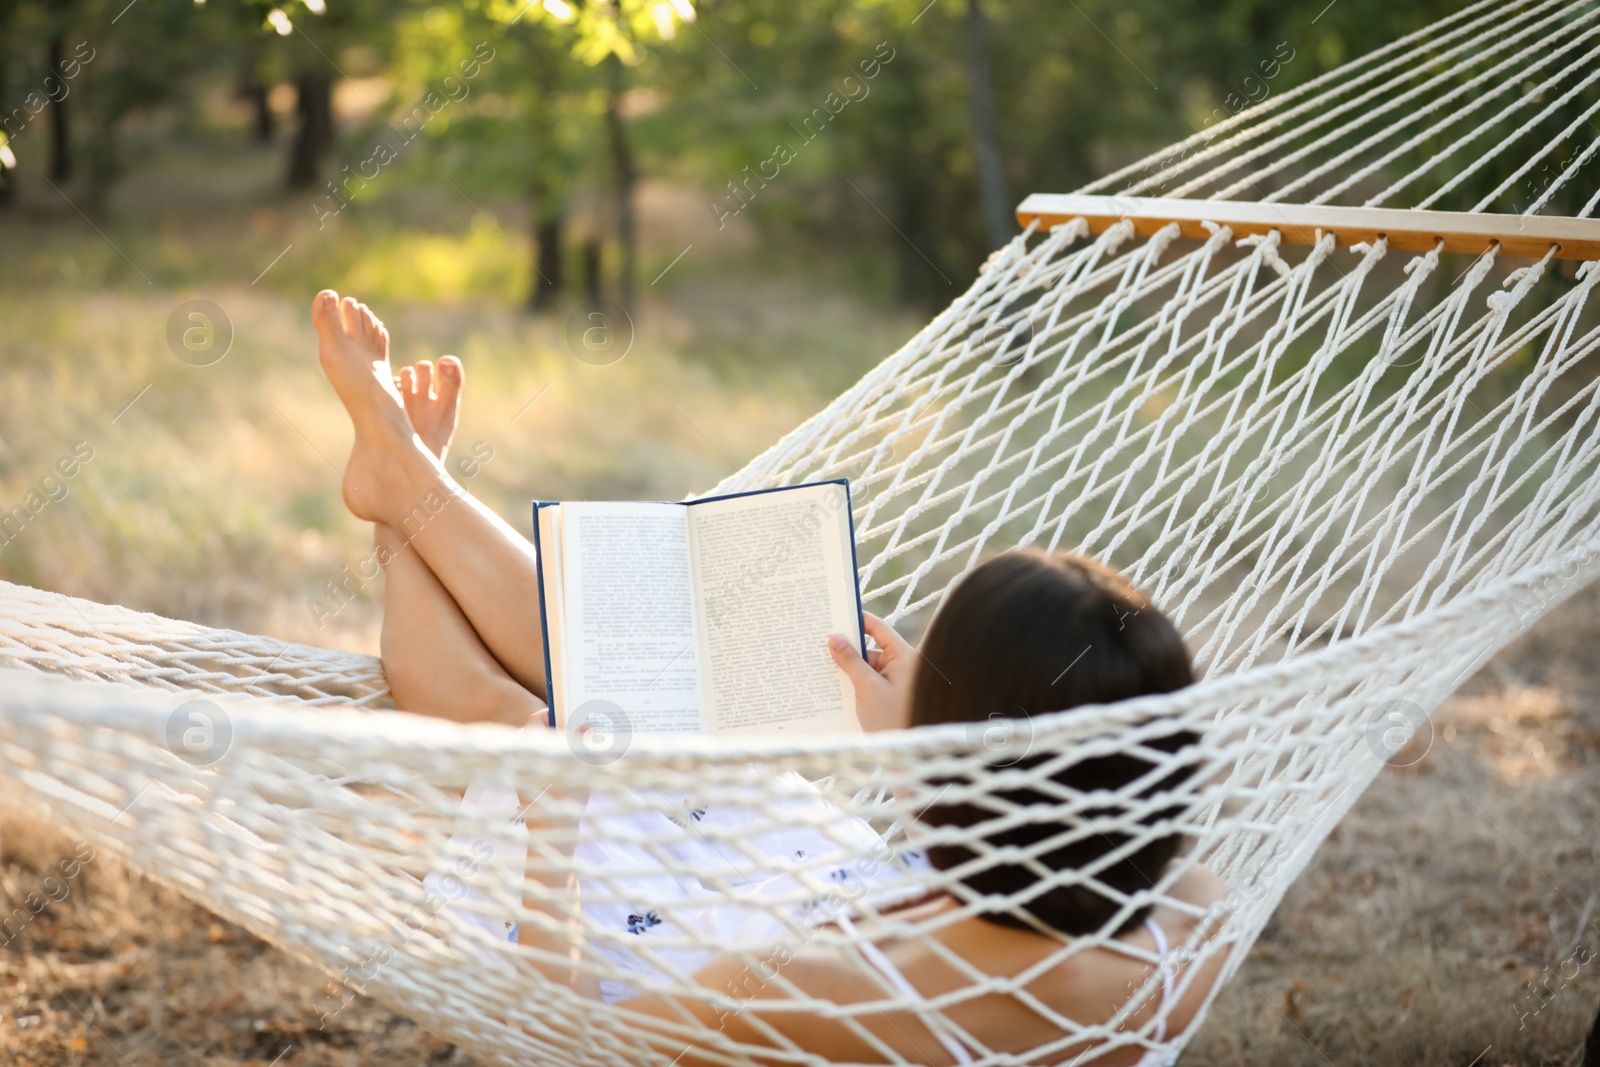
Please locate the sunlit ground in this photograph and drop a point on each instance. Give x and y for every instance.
(212, 493)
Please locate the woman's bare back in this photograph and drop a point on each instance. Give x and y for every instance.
(1089, 987)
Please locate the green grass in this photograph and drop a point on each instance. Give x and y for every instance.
(214, 496)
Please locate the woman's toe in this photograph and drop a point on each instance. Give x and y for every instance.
(350, 316)
(447, 381)
(325, 314)
(424, 380)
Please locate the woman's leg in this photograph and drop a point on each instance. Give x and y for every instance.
(489, 568)
(432, 656)
(392, 478)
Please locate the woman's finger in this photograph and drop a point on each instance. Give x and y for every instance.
(884, 634)
(858, 670)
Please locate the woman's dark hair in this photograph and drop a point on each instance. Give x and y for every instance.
(1028, 633)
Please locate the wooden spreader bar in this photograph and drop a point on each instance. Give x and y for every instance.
(1407, 231)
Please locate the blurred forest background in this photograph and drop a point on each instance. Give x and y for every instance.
(583, 101)
(764, 198)
(776, 192)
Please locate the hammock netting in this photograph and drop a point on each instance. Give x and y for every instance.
(1349, 475)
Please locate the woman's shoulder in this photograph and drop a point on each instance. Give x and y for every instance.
(1198, 887)
(1072, 977)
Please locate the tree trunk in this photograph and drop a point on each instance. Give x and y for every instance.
(313, 136)
(921, 281)
(998, 219)
(60, 140)
(548, 220)
(591, 271)
(910, 169)
(626, 178)
(265, 126)
(250, 89)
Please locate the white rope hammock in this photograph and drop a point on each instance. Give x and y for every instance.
(1349, 475)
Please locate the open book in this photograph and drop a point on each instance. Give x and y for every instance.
(709, 616)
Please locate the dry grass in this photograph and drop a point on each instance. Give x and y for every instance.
(1408, 941)
(215, 497)
(1453, 884)
(213, 493)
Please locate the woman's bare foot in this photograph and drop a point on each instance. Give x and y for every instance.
(432, 398)
(388, 461)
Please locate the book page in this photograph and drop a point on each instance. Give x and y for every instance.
(630, 634)
(774, 576)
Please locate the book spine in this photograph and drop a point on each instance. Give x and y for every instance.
(544, 615)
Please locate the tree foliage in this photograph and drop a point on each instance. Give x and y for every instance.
(848, 119)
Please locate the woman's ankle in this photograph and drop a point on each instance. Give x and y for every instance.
(420, 489)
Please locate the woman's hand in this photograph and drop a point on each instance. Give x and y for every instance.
(882, 681)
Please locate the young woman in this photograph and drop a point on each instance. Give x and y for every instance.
(1024, 634)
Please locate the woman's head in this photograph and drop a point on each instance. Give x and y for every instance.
(1028, 633)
